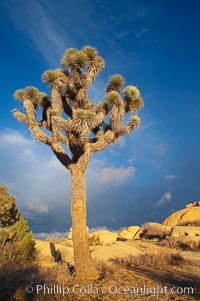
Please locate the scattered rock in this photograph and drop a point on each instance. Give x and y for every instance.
(109, 253)
(194, 204)
(180, 231)
(129, 233)
(105, 236)
(189, 205)
(125, 234)
(138, 235)
(155, 230)
(133, 229)
(51, 252)
(189, 214)
(43, 251)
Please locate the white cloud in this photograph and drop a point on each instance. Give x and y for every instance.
(166, 197)
(32, 173)
(12, 138)
(100, 172)
(115, 175)
(170, 177)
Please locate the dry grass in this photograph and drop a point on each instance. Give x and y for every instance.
(62, 241)
(182, 244)
(154, 270)
(152, 260)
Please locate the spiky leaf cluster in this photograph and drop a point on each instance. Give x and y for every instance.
(37, 98)
(74, 58)
(103, 107)
(114, 98)
(116, 83)
(133, 101)
(50, 76)
(84, 114)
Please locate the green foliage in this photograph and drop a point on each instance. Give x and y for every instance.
(135, 119)
(113, 97)
(116, 82)
(102, 107)
(19, 94)
(90, 52)
(131, 92)
(81, 113)
(37, 98)
(82, 58)
(94, 240)
(50, 76)
(9, 214)
(133, 101)
(74, 58)
(16, 242)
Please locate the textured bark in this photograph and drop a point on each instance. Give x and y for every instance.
(85, 268)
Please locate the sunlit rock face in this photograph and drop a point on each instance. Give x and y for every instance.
(190, 216)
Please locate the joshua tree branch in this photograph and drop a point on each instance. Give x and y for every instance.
(66, 107)
(104, 140)
(63, 139)
(39, 135)
(97, 120)
(65, 125)
(20, 116)
(34, 127)
(132, 124)
(61, 155)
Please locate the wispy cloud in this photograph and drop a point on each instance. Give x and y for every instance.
(166, 197)
(45, 32)
(170, 177)
(45, 235)
(37, 205)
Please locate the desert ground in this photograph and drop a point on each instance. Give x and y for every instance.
(130, 270)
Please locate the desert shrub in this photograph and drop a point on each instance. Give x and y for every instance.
(182, 244)
(94, 240)
(152, 260)
(154, 230)
(16, 242)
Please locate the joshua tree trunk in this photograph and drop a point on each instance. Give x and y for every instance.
(85, 268)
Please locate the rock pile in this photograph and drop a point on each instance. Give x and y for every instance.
(189, 215)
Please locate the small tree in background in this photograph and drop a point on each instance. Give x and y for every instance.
(16, 242)
(9, 214)
(75, 122)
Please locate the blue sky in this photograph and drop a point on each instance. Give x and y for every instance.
(150, 173)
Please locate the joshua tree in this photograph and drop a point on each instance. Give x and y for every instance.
(70, 119)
